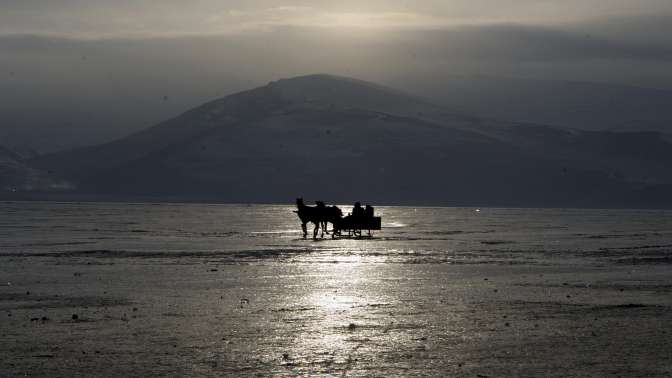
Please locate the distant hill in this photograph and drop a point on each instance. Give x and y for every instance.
(341, 139)
(17, 176)
(65, 123)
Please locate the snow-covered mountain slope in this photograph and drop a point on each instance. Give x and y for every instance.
(340, 138)
(17, 176)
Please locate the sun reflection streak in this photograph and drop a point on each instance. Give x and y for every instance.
(339, 295)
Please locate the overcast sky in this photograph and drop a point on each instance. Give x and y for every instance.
(86, 18)
(82, 61)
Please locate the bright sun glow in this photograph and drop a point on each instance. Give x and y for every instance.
(350, 20)
(375, 20)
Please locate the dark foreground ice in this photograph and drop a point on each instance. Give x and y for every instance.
(197, 290)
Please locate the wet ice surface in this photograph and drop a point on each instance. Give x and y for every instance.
(232, 290)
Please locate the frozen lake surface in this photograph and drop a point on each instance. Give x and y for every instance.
(210, 290)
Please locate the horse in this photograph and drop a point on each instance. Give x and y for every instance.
(330, 214)
(319, 215)
(308, 214)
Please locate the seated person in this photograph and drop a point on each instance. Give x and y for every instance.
(358, 211)
(368, 211)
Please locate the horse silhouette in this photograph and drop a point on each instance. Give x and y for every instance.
(329, 214)
(308, 214)
(319, 215)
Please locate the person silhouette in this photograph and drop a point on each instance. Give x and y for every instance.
(368, 211)
(357, 211)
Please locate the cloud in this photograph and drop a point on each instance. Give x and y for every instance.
(118, 18)
(276, 51)
(510, 42)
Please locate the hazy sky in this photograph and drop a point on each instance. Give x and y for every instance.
(104, 67)
(85, 18)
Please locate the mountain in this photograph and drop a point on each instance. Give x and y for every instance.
(56, 123)
(17, 176)
(341, 139)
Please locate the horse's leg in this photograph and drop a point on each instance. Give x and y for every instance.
(305, 230)
(317, 228)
